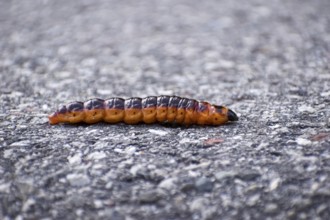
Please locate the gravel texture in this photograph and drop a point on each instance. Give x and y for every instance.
(267, 60)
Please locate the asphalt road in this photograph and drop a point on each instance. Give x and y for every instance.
(269, 61)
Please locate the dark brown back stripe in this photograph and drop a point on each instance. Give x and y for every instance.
(149, 102)
(115, 103)
(162, 101)
(133, 103)
(174, 102)
(94, 104)
(75, 106)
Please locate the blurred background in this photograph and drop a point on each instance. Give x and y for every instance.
(225, 52)
(68, 50)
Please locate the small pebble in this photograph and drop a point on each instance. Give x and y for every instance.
(27, 204)
(136, 168)
(97, 155)
(253, 200)
(158, 132)
(7, 153)
(130, 150)
(5, 188)
(271, 208)
(303, 141)
(306, 108)
(204, 184)
(98, 204)
(78, 179)
(248, 175)
(225, 174)
(75, 159)
(274, 184)
(198, 204)
(23, 143)
(168, 183)
(149, 196)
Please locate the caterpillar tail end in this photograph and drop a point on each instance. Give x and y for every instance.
(232, 115)
(53, 119)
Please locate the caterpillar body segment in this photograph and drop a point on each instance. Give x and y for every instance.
(152, 109)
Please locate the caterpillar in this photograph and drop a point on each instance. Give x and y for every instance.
(152, 109)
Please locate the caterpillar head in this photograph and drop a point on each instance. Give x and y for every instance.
(231, 115)
(221, 115)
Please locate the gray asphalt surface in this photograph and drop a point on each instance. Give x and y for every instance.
(266, 60)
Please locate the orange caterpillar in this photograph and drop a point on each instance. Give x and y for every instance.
(152, 109)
